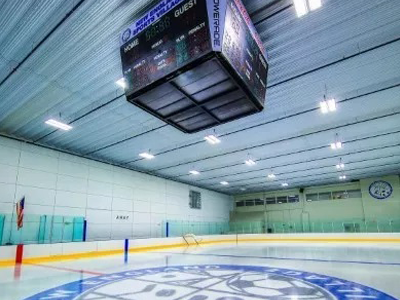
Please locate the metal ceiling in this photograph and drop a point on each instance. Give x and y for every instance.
(60, 59)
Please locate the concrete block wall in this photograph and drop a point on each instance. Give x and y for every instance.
(116, 202)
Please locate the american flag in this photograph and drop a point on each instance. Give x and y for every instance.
(20, 212)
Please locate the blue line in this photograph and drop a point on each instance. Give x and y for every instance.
(126, 250)
(290, 258)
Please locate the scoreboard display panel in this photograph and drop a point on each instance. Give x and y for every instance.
(180, 36)
(242, 51)
(195, 64)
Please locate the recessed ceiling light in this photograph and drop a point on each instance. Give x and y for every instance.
(194, 172)
(301, 7)
(314, 4)
(212, 139)
(122, 82)
(146, 155)
(285, 184)
(224, 182)
(271, 176)
(250, 162)
(58, 124)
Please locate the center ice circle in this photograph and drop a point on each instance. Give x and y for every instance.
(212, 282)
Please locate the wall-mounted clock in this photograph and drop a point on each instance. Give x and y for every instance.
(380, 189)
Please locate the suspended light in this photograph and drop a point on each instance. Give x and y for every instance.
(271, 176)
(146, 155)
(250, 162)
(331, 104)
(337, 144)
(328, 106)
(340, 166)
(301, 7)
(224, 182)
(58, 124)
(243, 189)
(212, 139)
(342, 177)
(194, 172)
(121, 82)
(284, 184)
(314, 4)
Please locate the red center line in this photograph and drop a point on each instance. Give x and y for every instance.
(67, 269)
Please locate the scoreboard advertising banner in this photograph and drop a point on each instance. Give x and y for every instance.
(175, 33)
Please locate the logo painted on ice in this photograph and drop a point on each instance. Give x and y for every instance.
(208, 282)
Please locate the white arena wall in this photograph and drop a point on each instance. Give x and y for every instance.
(55, 183)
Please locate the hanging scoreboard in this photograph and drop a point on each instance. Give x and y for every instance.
(195, 64)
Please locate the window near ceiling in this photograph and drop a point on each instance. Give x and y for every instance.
(340, 195)
(259, 202)
(270, 200)
(324, 196)
(281, 199)
(240, 203)
(312, 197)
(334, 195)
(354, 193)
(250, 202)
(194, 200)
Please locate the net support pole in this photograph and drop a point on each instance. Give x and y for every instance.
(167, 229)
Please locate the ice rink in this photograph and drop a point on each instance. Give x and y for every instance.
(229, 272)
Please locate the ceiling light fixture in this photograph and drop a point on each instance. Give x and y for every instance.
(243, 189)
(303, 7)
(337, 144)
(146, 155)
(285, 184)
(194, 172)
(250, 162)
(58, 124)
(224, 182)
(328, 106)
(271, 176)
(340, 165)
(314, 4)
(342, 177)
(212, 139)
(122, 82)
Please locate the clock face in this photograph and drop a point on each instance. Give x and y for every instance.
(380, 189)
